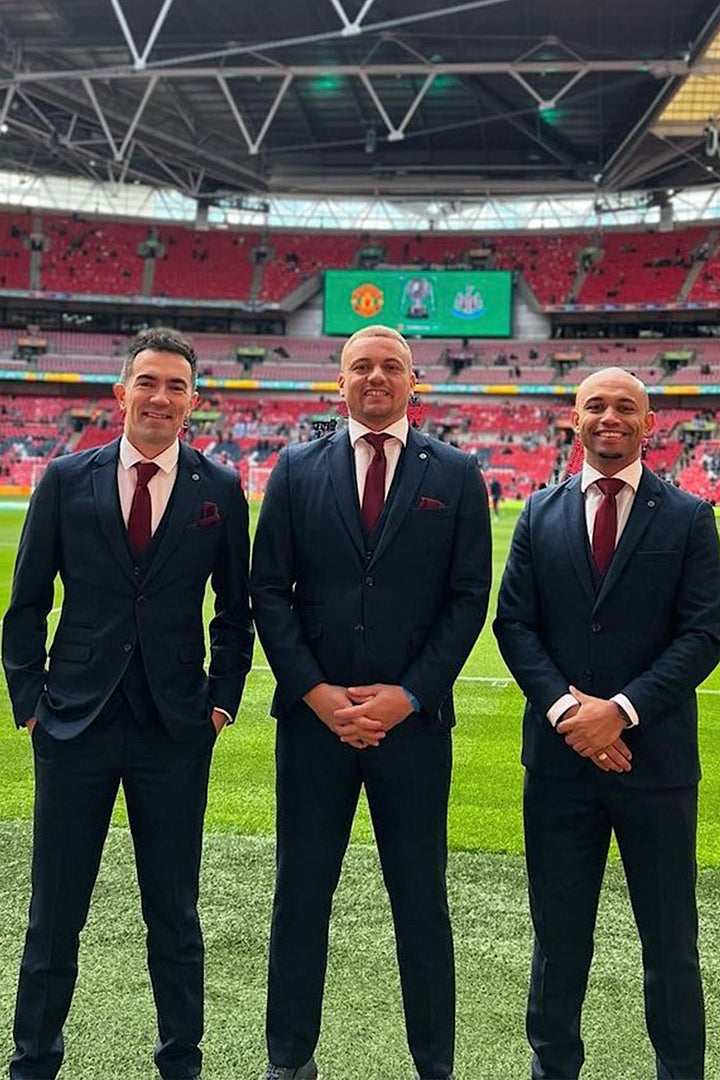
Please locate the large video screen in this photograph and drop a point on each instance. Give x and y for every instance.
(425, 303)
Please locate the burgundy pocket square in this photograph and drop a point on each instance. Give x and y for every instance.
(426, 503)
(210, 516)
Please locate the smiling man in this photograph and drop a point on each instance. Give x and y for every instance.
(370, 580)
(134, 530)
(609, 617)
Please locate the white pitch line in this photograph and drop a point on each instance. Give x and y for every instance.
(476, 678)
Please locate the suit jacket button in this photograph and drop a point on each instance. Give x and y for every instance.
(589, 675)
(358, 628)
(128, 646)
(141, 599)
(596, 627)
(369, 580)
(137, 570)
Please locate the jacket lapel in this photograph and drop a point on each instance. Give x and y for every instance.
(409, 474)
(647, 501)
(344, 485)
(576, 529)
(184, 505)
(105, 493)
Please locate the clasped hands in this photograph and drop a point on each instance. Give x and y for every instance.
(592, 729)
(360, 716)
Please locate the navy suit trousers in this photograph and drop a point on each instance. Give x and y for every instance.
(568, 824)
(407, 782)
(165, 786)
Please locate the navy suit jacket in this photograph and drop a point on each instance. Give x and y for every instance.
(649, 629)
(74, 528)
(331, 606)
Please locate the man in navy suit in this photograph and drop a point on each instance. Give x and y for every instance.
(134, 530)
(609, 617)
(370, 580)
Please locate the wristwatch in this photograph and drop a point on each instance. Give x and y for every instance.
(624, 716)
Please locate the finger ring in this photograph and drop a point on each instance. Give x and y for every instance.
(602, 757)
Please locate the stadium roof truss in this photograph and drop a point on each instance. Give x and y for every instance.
(400, 99)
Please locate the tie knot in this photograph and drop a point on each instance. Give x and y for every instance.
(610, 486)
(145, 472)
(377, 441)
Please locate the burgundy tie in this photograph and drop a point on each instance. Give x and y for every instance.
(374, 494)
(140, 520)
(605, 527)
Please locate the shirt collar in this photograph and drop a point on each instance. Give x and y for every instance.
(167, 461)
(631, 475)
(398, 430)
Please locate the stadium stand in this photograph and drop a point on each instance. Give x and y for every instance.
(549, 264)
(208, 265)
(91, 256)
(292, 258)
(642, 267)
(15, 232)
(94, 256)
(521, 443)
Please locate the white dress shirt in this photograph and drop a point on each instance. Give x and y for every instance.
(160, 486)
(624, 500)
(364, 452)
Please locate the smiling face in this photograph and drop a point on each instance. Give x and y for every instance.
(376, 379)
(612, 418)
(155, 399)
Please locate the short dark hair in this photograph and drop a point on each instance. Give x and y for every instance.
(160, 339)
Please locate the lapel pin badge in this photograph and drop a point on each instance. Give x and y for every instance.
(195, 476)
(422, 456)
(651, 503)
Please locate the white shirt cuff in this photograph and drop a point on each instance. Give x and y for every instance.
(627, 706)
(559, 707)
(230, 719)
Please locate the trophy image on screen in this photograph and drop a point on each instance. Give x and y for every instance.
(418, 299)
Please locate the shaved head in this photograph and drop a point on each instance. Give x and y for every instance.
(612, 418)
(612, 374)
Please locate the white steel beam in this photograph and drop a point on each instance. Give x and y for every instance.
(90, 91)
(127, 32)
(393, 134)
(396, 134)
(414, 105)
(282, 90)
(341, 12)
(152, 38)
(136, 118)
(255, 144)
(659, 69)
(354, 27)
(550, 102)
(9, 95)
(222, 82)
(314, 39)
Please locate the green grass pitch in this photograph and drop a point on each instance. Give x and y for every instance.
(110, 1031)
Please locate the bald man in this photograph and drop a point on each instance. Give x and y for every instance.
(609, 617)
(370, 580)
